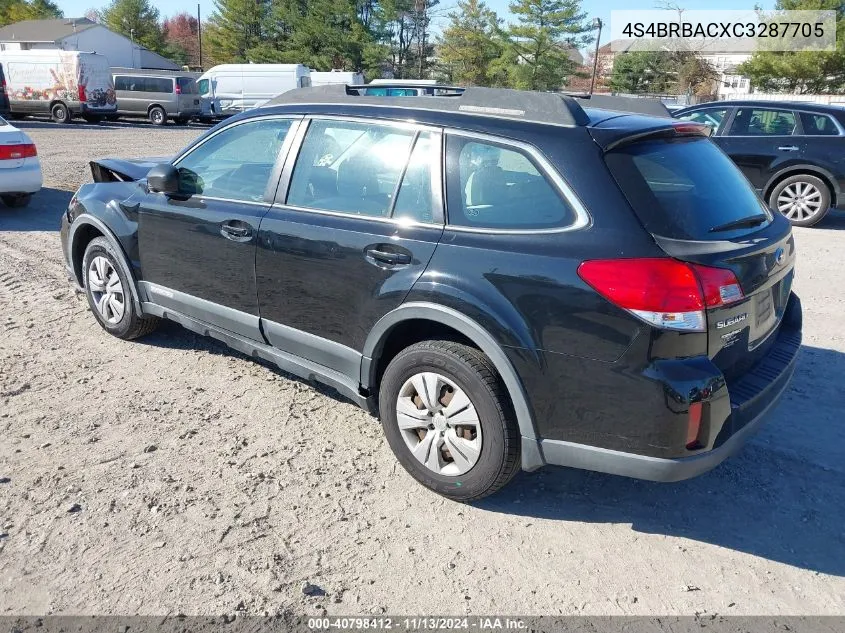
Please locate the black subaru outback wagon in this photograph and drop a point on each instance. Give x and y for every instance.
(507, 279)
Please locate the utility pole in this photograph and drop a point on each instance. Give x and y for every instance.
(597, 24)
(199, 31)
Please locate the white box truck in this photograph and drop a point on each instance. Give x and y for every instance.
(231, 88)
(347, 77)
(62, 84)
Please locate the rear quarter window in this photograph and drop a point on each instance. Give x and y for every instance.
(492, 185)
(684, 188)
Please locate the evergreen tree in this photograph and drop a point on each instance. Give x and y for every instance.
(537, 54)
(136, 19)
(12, 11)
(237, 26)
(802, 72)
(470, 44)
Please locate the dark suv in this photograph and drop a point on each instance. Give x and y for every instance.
(505, 278)
(791, 152)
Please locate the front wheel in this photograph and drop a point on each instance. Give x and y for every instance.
(803, 199)
(17, 200)
(109, 295)
(448, 419)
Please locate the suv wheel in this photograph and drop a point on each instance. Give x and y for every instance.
(447, 417)
(59, 113)
(158, 116)
(802, 199)
(109, 294)
(16, 201)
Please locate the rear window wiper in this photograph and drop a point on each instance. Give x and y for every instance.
(751, 220)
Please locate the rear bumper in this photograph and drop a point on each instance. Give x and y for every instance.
(23, 179)
(751, 400)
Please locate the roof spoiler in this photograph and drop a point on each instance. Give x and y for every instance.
(610, 138)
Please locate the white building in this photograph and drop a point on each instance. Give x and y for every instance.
(80, 34)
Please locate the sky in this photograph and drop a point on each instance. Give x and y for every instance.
(593, 8)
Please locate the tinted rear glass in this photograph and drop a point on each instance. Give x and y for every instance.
(683, 188)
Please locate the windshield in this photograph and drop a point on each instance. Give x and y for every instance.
(686, 188)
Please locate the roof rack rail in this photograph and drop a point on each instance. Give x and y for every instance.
(404, 84)
(632, 105)
(520, 105)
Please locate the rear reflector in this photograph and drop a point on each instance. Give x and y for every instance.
(694, 425)
(664, 292)
(17, 152)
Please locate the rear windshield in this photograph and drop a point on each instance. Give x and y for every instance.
(187, 85)
(685, 189)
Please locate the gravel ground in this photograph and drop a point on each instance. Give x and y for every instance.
(170, 475)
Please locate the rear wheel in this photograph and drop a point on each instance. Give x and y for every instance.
(448, 419)
(16, 200)
(158, 116)
(59, 113)
(109, 293)
(803, 199)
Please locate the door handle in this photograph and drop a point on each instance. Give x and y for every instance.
(386, 257)
(235, 232)
(788, 148)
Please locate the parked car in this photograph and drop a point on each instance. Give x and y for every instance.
(63, 84)
(5, 110)
(232, 88)
(156, 95)
(336, 77)
(791, 152)
(505, 278)
(20, 170)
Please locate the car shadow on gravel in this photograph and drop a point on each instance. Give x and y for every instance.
(173, 336)
(781, 498)
(44, 212)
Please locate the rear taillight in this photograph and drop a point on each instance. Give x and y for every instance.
(178, 89)
(3, 86)
(81, 91)
(664, 292)
(16, 152)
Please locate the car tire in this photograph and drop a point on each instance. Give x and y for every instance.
(93, 118)
(17, 200)
(484, 433)
(59, 113)
(157, 116)
(803, 199)
(112, 117)
(109, 292)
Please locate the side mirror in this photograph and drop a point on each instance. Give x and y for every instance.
(164, 179)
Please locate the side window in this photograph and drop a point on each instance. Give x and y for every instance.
(711, 117)
(818, 125)
(236, 163)
(158, 84)
(499, 187)
(414, 199)
(349, 167)
(121, 83)
(758, 122)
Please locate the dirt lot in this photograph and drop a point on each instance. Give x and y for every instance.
(170, 475)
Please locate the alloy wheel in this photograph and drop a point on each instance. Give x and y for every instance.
(439, 424)
(800, 201)
(106, 290)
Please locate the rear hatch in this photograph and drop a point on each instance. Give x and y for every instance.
(700, 209)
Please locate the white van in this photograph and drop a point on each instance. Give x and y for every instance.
(401, 88)
(336, 77)
(231, 88)
(62, 84)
